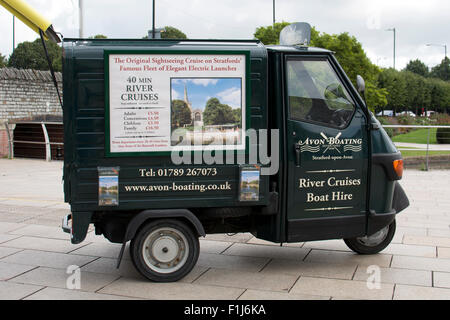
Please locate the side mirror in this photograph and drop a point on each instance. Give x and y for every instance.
(361, 84)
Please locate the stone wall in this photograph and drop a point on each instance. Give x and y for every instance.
(26, 95)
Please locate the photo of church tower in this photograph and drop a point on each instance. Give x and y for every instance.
(196, 114)
(207, 111)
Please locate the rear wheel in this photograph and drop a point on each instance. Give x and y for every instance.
(165, 250)
(373, 244)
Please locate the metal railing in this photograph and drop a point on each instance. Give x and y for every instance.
(415, 146)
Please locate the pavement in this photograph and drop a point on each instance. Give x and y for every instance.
(37, 260)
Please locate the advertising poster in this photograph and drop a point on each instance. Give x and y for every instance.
(108, 186)
(166, 102)
(249, 183)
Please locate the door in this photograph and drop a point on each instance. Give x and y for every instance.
(326, 153)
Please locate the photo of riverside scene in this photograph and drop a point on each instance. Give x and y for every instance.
(206, 111)
(108, 191)
(249, 188)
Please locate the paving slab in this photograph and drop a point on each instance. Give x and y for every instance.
(44, 244)
(338, 257)
(108, 265)
(11, 270)
(441, 279)
(58, 278)
(342, 288)
(269, 243)
(410, 250)
(127, 269)
(253, 264)
(405, 292)
(6, 227)
(7, 237)
(47, 259)
(106, 250)
(16, 291)
(417, 263)
(4, 252)
(399, 276)
(259, 295)
(443, 253)
(170, 291)
(66, 294)
(310, 269)
(247, 280)
(273, 252)
(427, 241)
(41, 231)
(438, 232)
(209, 246)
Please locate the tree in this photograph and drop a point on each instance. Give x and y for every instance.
(3, 61)
(181, 114)
(270, 34)
(172, 33)
(440, 95)
(99, 36)
(217, 114)
(237, 114)
(31, 55)
(442, 70)
(169, 32)
(376, 97)
(418, 67)
(395, 84)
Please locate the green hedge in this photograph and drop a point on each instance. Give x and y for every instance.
(443, 135)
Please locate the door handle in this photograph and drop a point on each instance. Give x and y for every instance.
(297, 149)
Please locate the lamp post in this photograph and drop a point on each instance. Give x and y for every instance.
(14, 39)
(395, 36)
(153, 20)
(439, 45)
(274, 13)
(80, 18)
(445, 59)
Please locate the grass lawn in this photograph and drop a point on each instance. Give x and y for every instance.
(414, 153)
(417, 136)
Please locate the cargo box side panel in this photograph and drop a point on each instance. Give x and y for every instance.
(146, 181)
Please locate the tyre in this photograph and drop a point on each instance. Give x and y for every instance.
(165, 250)
(373, 244)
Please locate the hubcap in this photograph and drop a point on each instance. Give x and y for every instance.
(375, 239)
(165, 250)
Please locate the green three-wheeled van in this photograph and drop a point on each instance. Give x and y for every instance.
(169, 140)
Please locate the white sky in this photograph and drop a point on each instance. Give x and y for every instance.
(418, 22)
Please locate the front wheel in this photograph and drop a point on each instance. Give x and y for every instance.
(165, 250)
(373, 244)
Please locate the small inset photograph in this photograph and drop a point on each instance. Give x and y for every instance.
(206, 111)
(249, 184)
(108, 187)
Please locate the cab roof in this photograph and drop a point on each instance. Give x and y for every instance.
(297, 49)
(196, 42)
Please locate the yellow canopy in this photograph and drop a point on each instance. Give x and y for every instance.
(31, 18)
